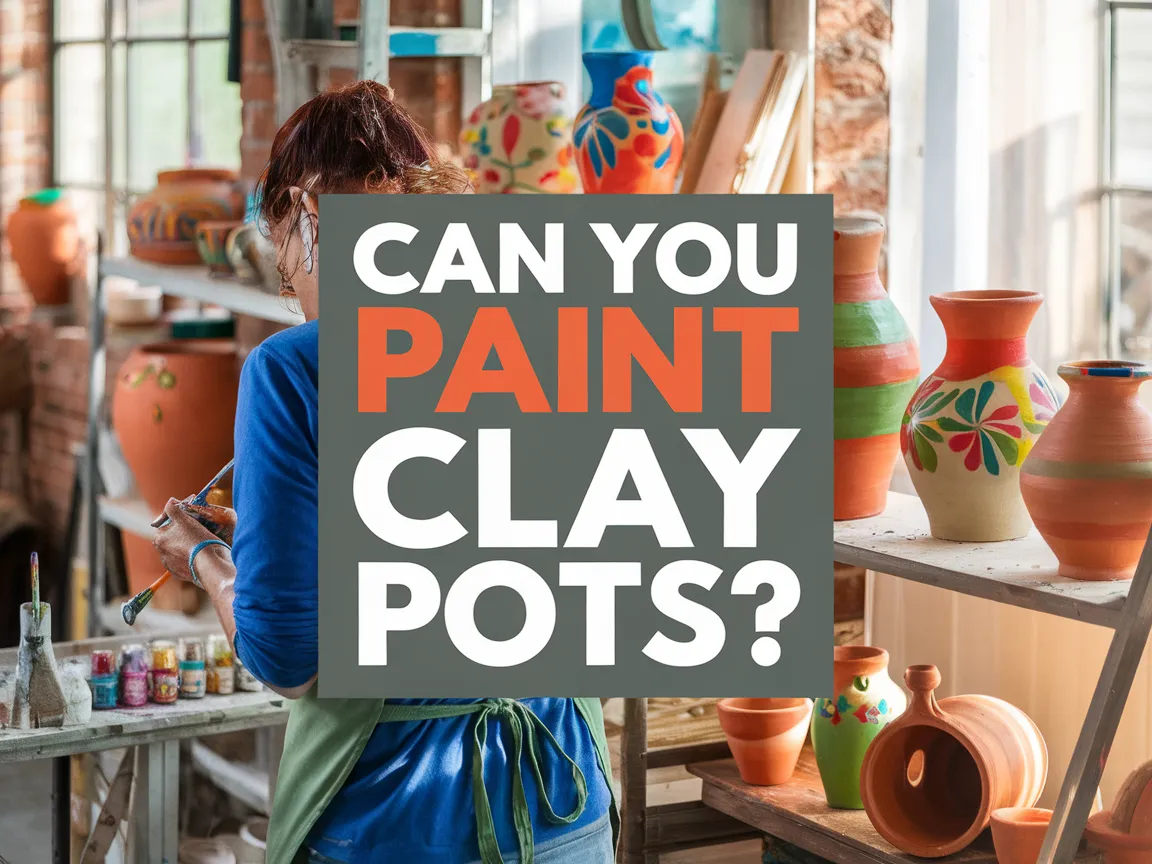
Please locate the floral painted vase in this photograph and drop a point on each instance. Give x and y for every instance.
(627, 138)
(520, 141)
(972, 422)
(866, 701)
(162, 224)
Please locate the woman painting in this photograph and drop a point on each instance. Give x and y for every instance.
(443, 780)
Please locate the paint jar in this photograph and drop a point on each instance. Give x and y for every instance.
(164, 669)
(245, 680)
(133, 676)
(105, 690)
(164, 656)
(193, 675)
(165, 686)
(221, 673)
(103, 663)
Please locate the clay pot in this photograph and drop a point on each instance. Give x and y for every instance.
(520, 141)
(162, 224)
(1088, 480)
(765, 736)
(1018, 833)
(211, 243)
(844, 726)
(973, 421)
(46, 247)
(1118, 847)
(932, 779)
(1132, 812)
(876, 369)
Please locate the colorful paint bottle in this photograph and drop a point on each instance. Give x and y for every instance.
(193, 675)
(221, 672)
(165, 672)
(133, 676)
(103, 663)
(245, 680)
(105, 691)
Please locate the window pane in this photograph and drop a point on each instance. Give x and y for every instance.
(218, 110)
(210, 17)
(157, 18)
(79, 19)
(1133, 121)
(79, 139)
(157, 111)
(89, 207)
(1135, 235)
(119, 116)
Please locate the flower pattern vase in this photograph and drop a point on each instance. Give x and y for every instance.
(520, 141)
(627, 138)
(1088, 481)
(972, 422)
(843, 727)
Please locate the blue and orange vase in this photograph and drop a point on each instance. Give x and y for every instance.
(628, 139)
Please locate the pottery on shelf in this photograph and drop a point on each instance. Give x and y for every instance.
(876, 369)
(971, 424)
(844, 726)
(1018, 834)
(932, 779)
(1118, 847)
(520, 141)
(765, 736)
(1125, 831)
(628, 139)
(1088, 480)
(45, 244)
(162, 224)
(211, 243)
(252, 257)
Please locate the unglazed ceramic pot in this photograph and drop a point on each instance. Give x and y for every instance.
(628, 139)
(973, 421)
(46, 247)
(520, 141)
(1018, 833)
(876, 369)
(843, 727)
(765, 736)
(1088, 481)
(162, 224)
(1132, 812)
(932, 779)
(211, 243)
(1118, 847)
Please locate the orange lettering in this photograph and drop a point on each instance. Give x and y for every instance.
(375, 365)
(572, 360)
(680, 381)
(756, 324)
(492, 328)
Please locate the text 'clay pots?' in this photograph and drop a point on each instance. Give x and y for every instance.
(765, 736)
(932, 779)
(1018, 834)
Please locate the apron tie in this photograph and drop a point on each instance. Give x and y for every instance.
(524, 725)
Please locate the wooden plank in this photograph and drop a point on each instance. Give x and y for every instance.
(1017, 572)
(704, 752)
(689, 825)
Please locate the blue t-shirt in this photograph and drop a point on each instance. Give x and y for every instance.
(409, 798)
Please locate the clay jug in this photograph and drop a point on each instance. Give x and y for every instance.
(932, 778)
(162, 224)
(843, 727)
(628, 139)
(46, 247)
(520, 141)
(1088, 481)
(876, 369)
(972, 422)
(765, 736)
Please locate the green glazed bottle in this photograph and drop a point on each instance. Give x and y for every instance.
(866, 701)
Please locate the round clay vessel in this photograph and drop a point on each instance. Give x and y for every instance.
(46, 247)
(1018, 833)
(211, 243)
(520, 141)
(765, 736)
(843, 727)
(932, 779)
(876, 370)
(1132, 812)
(162, 224)
(973, 421)
(1088, 480)
(1118, 847)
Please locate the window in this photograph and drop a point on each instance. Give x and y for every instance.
(171, 102)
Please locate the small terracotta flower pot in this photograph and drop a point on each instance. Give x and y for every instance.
(1018, 833)
(1118, 847)
(766, 736)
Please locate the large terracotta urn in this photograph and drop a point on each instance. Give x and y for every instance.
(932, 779)
(628, 139)
(1088, 480)
(45, 244)
(972, 422)
(876, 369)
(162, 224)
(765, 736)
(520, 141)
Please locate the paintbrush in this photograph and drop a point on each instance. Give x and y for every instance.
(135, 606)
(36, 587)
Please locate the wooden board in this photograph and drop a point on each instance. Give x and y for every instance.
(1018, 572)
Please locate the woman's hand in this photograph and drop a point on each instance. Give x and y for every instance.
(176, 540)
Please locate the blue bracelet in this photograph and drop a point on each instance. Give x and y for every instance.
(203, 544)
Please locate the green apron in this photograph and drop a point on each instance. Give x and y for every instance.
(325, 738)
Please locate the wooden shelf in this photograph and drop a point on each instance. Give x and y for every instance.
(1017, 572)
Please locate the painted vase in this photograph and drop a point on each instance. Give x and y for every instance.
(627, 138)
(765, 736)
(520, 141)
(45, 244)
(1088, 480)
(162, 224)
(876, 369)
(212, 244)
(972, 422)
(932, 779)
(866, 701)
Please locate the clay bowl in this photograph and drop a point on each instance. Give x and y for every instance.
(765, 736)
(1119, 848)
(1018, 833)
(212, 243)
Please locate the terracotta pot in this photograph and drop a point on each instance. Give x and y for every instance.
(876, 370)
(162, 224)
(933, 777)
(628, 139)
(1118, 847)
(765, 736)
(211, 243)
(1018, 833)
(520, 141)
(1132, 812)
(844, 726)
(46, 247)
(1088, 481)
(972, 422)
